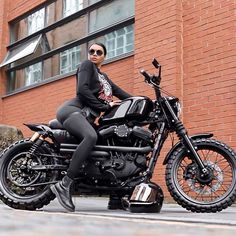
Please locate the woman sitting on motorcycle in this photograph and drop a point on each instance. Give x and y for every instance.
(94, 95)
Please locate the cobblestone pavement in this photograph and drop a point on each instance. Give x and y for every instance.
(92, 218)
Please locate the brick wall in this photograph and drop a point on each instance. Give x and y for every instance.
(3, 44)
(195, 43)
(158, 29)
(209, 68)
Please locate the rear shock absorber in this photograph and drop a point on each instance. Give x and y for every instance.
(35, 145)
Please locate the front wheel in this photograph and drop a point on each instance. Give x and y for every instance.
(194, 192)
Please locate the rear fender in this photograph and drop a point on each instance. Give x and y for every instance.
(179, 144)
(42, 131)
(39, 127)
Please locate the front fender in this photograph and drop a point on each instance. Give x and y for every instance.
(177, 145)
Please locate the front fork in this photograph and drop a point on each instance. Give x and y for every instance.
(183, 136)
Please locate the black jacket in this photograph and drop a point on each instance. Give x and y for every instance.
(88, 87)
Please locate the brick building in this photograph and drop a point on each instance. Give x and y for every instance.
(42, 43)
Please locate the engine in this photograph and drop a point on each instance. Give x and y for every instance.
(123, 134)
(121, 165)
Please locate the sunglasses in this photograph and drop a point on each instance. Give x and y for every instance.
(98, 52)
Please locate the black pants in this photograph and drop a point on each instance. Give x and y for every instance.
(77, 125)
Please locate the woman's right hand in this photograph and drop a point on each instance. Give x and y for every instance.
(115, 103)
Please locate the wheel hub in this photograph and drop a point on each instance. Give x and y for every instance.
(19, 172)
(204, 178)
(197, 180)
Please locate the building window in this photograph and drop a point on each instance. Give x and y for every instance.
(71, 6)
(111, 13)
(120, 41)
(33, 74)
(22, 51)
(43, 56)
(35, 21)
(70, 59)
(93, 1)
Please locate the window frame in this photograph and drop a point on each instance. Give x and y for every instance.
(68, 54)
(24, 50)
(33, 18)
(115, 41)
(32, 69)
(65, 11)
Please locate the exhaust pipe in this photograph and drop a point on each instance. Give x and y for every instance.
(101, 150)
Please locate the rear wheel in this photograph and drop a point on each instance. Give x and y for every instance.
(196, 193)
(21, 187)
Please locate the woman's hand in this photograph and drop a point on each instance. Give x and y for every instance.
(115, 103)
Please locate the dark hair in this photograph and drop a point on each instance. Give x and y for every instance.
(101, 45)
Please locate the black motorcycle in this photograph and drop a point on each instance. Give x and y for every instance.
(200, 171)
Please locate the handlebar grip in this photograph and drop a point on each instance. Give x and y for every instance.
(145, 74)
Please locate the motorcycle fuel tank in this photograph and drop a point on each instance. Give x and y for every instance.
(130, 108)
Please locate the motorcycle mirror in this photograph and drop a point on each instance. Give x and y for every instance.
(155, 63)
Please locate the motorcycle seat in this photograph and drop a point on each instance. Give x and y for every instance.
(55, 124)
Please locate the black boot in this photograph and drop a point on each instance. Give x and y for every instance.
(62, 190)
(115, 203)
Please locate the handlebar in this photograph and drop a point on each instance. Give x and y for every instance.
(153, 79)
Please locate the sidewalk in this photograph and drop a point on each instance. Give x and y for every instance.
(97, 206)
(92, 217)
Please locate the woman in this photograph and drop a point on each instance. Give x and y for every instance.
(94, 95)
